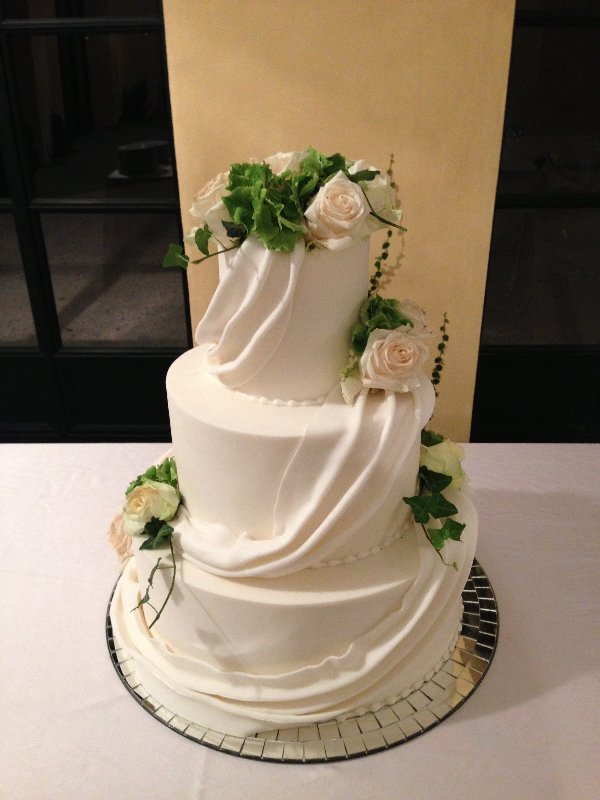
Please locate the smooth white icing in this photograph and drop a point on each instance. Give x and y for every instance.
(279, 324)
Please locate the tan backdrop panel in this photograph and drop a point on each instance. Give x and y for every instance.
(424, 80)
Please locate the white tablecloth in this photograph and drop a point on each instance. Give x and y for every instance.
(71, 731)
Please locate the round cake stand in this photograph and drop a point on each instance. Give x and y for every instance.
(390, 726)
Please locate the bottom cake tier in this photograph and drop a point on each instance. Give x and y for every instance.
(246, 655)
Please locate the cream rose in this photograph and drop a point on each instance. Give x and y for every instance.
(381, 197)
(281, 162)
(445, 457)
(416, 315)
(210, 195)
(337, 214)
(208, 207)
(120, 540)
(150, 499)
(393, 360)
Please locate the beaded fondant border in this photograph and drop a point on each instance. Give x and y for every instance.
(436, 699)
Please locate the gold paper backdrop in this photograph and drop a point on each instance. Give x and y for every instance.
(424, 80)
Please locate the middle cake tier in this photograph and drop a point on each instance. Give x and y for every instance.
(270, 489)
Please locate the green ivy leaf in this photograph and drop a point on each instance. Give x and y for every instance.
(153, 571)
(431, 438)
(202, 238)
(145, 598)
(436, 537)
(454, 529)
(434, 481)
(175, 257)
(420, 513)
(158, 533)
(363, 175)
(451, 529)
(426, 505)
(234, 230)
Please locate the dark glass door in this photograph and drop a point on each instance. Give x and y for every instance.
(538, 375)
(89, 321)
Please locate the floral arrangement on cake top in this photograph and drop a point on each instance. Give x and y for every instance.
(326, 201)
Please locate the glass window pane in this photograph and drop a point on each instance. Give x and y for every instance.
(52, 9)
(552, 126)
(95, 114)
(3, 181)
(109, 285)
(16, 320)
(564, 6)
(543, 283)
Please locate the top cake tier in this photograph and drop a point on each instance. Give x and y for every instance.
(279, 324)
(292, 234)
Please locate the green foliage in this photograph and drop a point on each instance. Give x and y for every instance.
(158, 533)
(439, 359)
(376, 312)
(175, 257)
(433, 481)
(315, 169)
(235, 230)
(202, 238)
(434, 505)
(265, 205)
(430, 438)
(431, 503)
(165, 472)
(376, 277)
(363, 175)
(271, 207)
(451, 529)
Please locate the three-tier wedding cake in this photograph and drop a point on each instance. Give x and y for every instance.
(299, 554)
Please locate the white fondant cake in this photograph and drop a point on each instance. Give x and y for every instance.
(303, 589)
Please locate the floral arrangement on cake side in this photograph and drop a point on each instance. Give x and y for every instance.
(151, 501)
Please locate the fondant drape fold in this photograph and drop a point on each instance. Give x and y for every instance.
(249, 312)
(349, 482)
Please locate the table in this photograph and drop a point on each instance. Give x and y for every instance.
(71, 731)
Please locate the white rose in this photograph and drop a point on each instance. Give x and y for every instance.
(281, 162)
(150, 499)
(208, 207)
(416, 315)
(381, 197)
(445, 457)
(393, 360)
(337, 213)
(351, 386)
(120, 540)
(214, 220)
(209, 196)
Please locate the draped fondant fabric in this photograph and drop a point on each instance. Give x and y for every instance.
(313, 519)
(249, 312)
(326, 497)
(383, 661)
